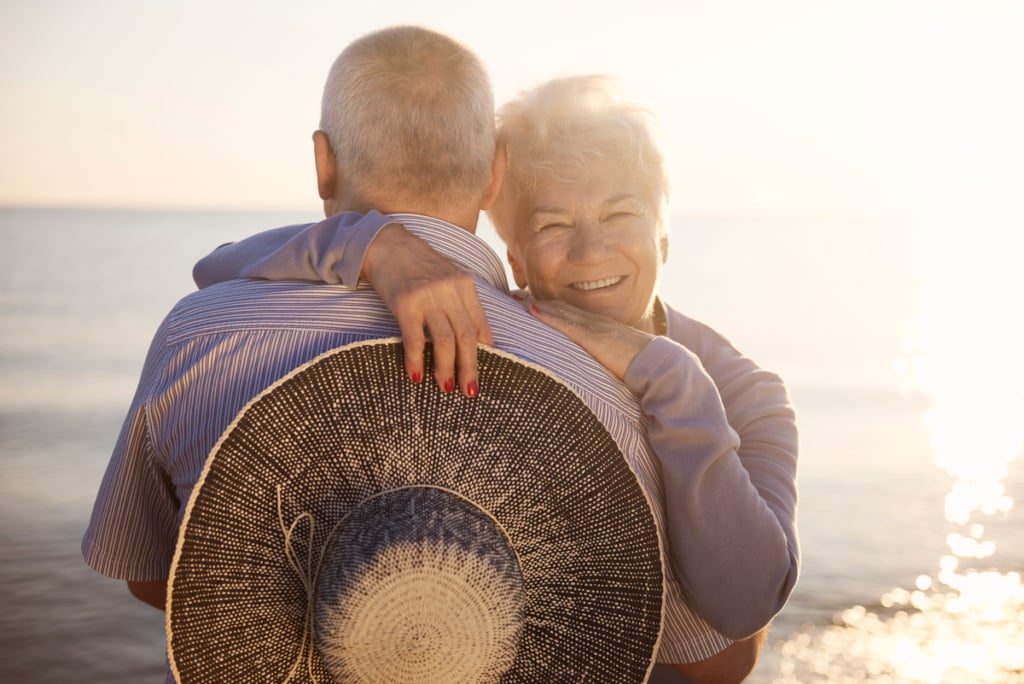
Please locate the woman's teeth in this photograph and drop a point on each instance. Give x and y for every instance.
(596, 284)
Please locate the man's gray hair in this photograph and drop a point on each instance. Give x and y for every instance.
(410, 112)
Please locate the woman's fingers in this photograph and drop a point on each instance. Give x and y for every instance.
(573, 322)
(413, 341)
(444, 311)
(613, 344)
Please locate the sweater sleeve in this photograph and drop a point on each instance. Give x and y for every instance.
(731, 517)
(331, 251)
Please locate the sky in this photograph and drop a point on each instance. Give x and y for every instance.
(787, 106)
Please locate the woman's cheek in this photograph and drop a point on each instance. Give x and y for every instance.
(543, 266)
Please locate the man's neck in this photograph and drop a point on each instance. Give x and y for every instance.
(461, 217)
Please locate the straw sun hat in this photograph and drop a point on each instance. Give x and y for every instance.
(353, 527)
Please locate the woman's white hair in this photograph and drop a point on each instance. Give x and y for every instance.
(558, 130)
(410, 112)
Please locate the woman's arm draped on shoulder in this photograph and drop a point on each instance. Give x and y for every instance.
(421, 288)
(727, 443)
(331, 251)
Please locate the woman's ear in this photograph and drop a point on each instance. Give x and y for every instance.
(518, 272)
(664, 248)
(497, 178)
(326, 166)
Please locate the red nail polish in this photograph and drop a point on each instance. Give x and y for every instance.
(449, 385)
(471, 388)
(534, 309)
(416, 378)
(516, 297)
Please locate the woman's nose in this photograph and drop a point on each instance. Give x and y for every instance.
(589, 242)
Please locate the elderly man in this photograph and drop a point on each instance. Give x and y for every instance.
(407, 130)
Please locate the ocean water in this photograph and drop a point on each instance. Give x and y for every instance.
(899, 341)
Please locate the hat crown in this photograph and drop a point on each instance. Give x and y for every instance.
(418, 584)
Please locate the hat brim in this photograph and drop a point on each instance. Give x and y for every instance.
(347, 426)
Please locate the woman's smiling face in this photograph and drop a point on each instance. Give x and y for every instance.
(593, 243)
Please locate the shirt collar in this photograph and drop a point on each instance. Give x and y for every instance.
(464, 248)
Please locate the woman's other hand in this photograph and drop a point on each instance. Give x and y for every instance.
(613, 344)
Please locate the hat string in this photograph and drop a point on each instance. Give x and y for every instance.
(307, 577)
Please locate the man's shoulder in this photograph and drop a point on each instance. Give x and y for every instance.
(248, 304)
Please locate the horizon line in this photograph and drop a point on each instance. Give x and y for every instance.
(692, 212)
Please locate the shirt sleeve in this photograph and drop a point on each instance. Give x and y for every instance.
(331, 251)
(730, 493)
(133, 529)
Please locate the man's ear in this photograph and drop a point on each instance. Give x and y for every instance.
(664, 248)
(497, 178)
(518, 271)
(326, 166)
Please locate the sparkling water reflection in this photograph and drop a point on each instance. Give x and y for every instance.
(965, 621)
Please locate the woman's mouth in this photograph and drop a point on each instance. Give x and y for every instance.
(587, 285)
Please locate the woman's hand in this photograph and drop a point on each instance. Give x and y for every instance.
(424, 290)
(612, 343)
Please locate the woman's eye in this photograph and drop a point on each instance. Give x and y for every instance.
(552, 226)
(619, 215)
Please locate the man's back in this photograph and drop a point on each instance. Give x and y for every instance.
(220, 347)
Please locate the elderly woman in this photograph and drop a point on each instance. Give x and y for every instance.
(582, 213)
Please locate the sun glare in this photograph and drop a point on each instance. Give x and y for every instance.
(966, 356)
(965, 623)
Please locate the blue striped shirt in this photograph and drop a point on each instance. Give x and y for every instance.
(223, 345)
